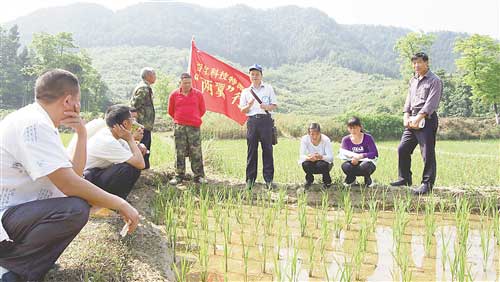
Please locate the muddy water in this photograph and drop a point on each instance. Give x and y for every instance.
(378, 261)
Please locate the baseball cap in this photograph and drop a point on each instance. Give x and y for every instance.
(255, 67)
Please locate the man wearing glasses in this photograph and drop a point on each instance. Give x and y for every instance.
(114, 158)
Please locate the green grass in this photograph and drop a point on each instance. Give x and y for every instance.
(459, 163)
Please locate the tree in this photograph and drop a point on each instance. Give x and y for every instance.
(407, 46)
(11, 77)
(48, 51)
(163, 86)
(480, 62)
(456, 97)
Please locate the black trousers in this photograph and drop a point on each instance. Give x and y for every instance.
(146, 140)
(259, 129)
(317, 167)
(365, 169)
(41, 231)
(426, 138)
(118, 179)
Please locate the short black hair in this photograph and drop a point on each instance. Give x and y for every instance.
(314, 126)
(354, 121)
(52, 84)
(185, 75)
(117, 114)
(421, 55)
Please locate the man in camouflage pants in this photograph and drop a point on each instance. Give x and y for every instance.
(186, 106)
(142, 101)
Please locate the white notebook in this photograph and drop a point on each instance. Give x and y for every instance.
(421, 124)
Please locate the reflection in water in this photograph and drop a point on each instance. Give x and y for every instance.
(417, 250)
(378, 262)
(445, 236)
(475, 256)
(385, 248)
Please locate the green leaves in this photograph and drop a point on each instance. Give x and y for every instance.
(480, 63)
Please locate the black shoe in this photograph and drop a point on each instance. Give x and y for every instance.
(422, 189)
(401, 182)
(307, 184)
(11, 277)
(368, 181)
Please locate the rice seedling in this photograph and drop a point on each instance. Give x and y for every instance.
(269, 220)
(317, 217)
(360, 250)
(444, 249)
(263, 252)
(227, 241)
(346, 271)
(311, 246)
(325, 230)
(384, 197)
(338, 225)
(238, 211)
(485, 233)
(189, 208)
(403, 262)
(401, 220)
(277, 272)
(294, 264)
(171, 228)
(203, 258)
(442, 207)
(279, 238)
(245, 261)
(496, 225)
(182, 270)
(373, 210)
(363, 199)
(257, 220)
(460, 270)
(430, 224)
(249, 197)
(302, 213)
(204, 205)
(347, 206)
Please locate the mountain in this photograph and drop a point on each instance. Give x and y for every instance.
(273, 37)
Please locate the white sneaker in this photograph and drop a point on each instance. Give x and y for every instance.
(349, 185)
(372, 185)
(2, 272)
(201, 180)
(174, 181)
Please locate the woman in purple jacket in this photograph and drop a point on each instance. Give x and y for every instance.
(359, 153)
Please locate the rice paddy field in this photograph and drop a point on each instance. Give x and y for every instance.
(223, 232)
(471, 164)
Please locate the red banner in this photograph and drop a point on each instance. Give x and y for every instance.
(220, 84)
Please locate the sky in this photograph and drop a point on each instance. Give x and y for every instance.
(477, 16)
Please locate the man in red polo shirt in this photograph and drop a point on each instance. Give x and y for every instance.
(186, 106)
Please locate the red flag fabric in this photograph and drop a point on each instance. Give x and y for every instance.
(220, 84)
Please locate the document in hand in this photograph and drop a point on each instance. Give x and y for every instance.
(347, 155)
(421, 124)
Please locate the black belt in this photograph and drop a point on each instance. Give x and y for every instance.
(260, 116)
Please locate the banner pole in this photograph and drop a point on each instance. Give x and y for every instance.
(190, 56)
